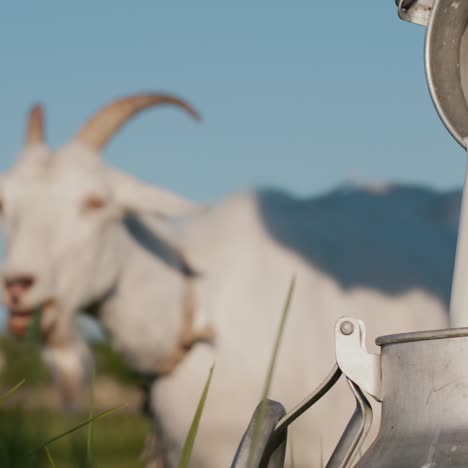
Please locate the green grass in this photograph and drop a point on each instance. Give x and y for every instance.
(49, 457)
(184, 461)
(10, 392)
(23, 363)
(117, 440)
(26, 363)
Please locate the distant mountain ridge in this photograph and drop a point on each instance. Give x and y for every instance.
(392, 238)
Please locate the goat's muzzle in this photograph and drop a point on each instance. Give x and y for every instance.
(19, 322)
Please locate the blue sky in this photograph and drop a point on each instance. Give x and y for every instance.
(301, 97)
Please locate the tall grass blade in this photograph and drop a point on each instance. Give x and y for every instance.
(271, 370)
(83, 424)
(89, 442)
(49, 457)
(10, 392)
(190, 440)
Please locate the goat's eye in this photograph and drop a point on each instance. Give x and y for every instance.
(93, 203)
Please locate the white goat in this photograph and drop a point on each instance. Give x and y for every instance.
(176, 296)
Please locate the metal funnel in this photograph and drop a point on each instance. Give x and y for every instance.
(446, 57)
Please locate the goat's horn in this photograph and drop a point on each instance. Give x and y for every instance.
(100, 128)
(35, 127)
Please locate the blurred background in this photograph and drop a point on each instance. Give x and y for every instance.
(305, 97)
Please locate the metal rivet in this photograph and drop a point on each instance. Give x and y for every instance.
(347, 328)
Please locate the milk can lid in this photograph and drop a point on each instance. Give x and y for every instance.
(422, 336)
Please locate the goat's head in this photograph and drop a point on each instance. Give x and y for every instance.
(60, 211)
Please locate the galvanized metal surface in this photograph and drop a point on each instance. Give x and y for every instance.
(423, 335)
(446, 61)
(349, 444)
(355, 433)
(274, 411)
(459, 296)
(446, 57)
(415, 11)
(352, 356)
(277, 436)
(305, 404)
(425, 405)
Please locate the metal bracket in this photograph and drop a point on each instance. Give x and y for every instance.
(415, 11)
(277, 437)
(351, 441)
(272, 413)
(355, 433)
(362, 370)
(360, 366)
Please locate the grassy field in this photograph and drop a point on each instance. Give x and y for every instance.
(117, 440)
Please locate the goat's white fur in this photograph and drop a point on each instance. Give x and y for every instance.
(241, 277)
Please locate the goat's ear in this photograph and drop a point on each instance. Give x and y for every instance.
(134, 196)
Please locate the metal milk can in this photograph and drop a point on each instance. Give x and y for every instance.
(424, 390)
(421, 379)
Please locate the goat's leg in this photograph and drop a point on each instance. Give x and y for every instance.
(153, 452)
